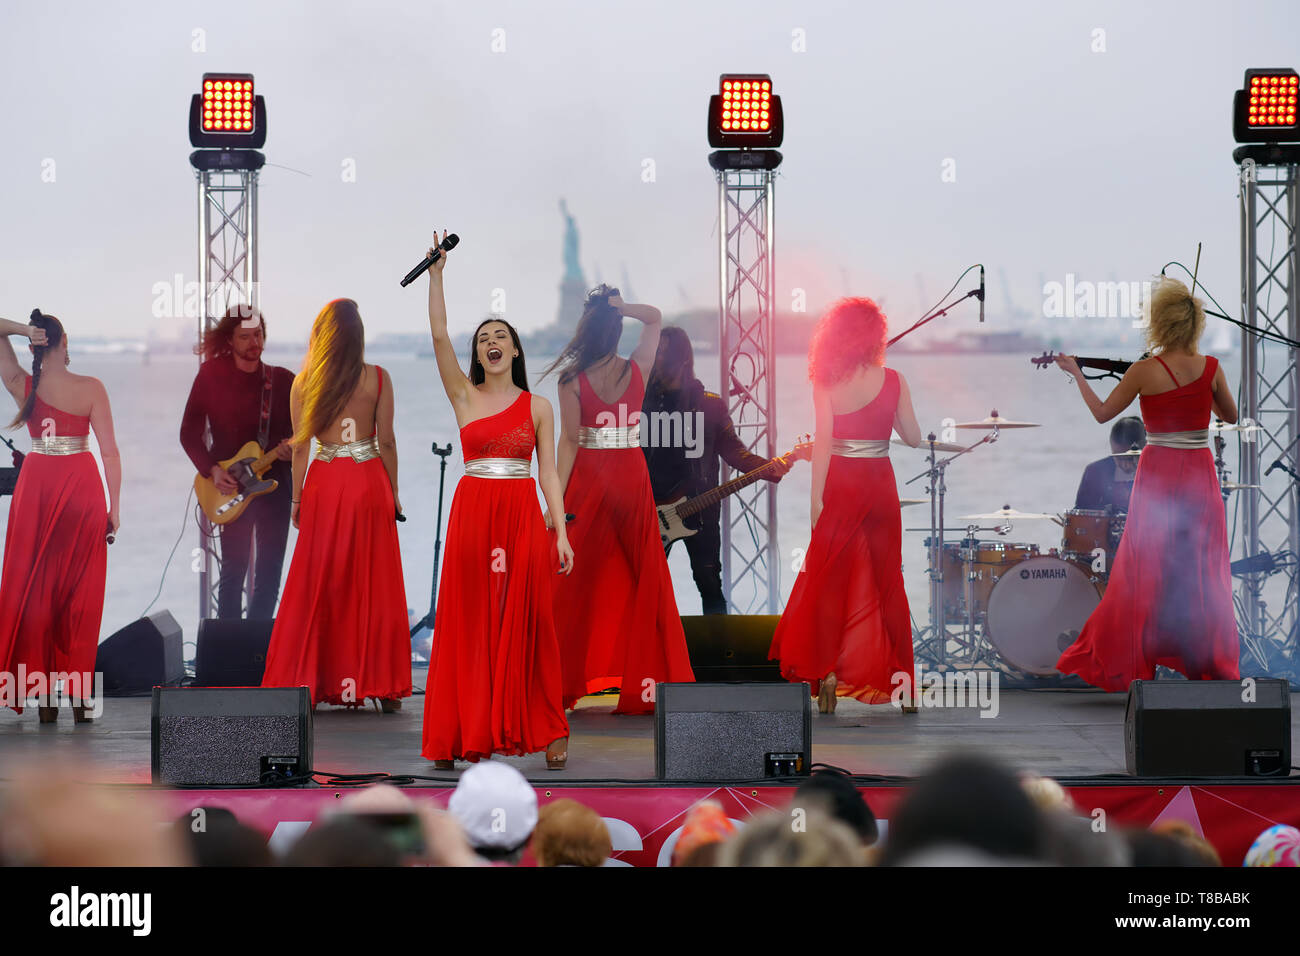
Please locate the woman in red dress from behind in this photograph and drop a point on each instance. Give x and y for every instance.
(56, 550)
(341, 628)
(1169, 601)
(616, 615)
(847, 626)
(494, 668)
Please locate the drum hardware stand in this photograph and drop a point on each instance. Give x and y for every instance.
(931, 643)
(9, 476)
(1220, 465)
(428, 619)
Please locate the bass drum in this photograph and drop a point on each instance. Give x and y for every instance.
(1037, 610)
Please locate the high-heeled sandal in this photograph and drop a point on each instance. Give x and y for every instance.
(390, 705)
(444, 765)
(47, 715)
(826, 697)
(556, 760)
(81, 713)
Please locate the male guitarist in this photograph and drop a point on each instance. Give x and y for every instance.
(240, 399)
(673, 472)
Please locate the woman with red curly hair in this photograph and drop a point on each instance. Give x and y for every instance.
(846, 628)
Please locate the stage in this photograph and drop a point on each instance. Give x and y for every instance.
(1074, 736)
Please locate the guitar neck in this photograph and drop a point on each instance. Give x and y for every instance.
(699, 503)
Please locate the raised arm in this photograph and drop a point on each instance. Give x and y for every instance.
(1119, 399)
(821, 458)
(101, 420)
(648, 344)
(1225, 406)
(10, 371)
(905, 416)
(387, 439)
(454, 381)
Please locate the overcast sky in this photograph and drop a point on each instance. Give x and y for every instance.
(1086, 138)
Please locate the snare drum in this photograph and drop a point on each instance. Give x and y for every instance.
(992, 559)
(1037, 610)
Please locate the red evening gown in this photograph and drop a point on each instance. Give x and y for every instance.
(494, 670)
(616, 613)
(55, 560)
(341, 628)
(848, 611)
(1169, 600)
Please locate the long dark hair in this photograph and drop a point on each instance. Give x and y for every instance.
(336, 359)
(595, 338)
(53, 339)
(675, 349)
(518, 371)
(216, 340)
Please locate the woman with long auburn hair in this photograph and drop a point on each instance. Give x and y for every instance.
(494, 667)
(55, 558)
(342, 625)
(1169, 601)
(616, 614)
(846, 629)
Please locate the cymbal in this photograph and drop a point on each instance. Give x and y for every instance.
(925, 445)
(1131, 453)
(1008, 513)
(1225, 427)
(904, 502)
(997, 421)
(1233, 486)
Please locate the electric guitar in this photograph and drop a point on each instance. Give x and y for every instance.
(247, 468)
(672, 526)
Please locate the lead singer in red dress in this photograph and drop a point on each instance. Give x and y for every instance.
(55, 559)
(342, 624)
(616, 615)
(1169, 601)
(494, 668)
(846, 629)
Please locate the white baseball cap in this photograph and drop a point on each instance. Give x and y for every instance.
(495, 804)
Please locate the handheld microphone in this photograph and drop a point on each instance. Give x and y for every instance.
(110, 536)
(981, 293)
(446, 245)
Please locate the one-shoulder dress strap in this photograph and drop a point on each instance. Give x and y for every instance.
(1171, 374)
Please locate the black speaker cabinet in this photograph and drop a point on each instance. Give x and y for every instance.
(1204, 728)
(231, 653)
(732, 732)
(230, 736)
(731, 647)
(143, 655)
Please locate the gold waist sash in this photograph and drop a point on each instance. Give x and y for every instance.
(498, 468)
(860, 447)
(61, 445)
(362, 450)
(1198, 438)
(610, 436)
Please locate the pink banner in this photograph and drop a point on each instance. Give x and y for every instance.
(644, 822)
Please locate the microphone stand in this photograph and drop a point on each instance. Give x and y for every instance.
(428, 619)
(973, 293)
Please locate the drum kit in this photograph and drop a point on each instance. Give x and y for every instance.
(1006, 605)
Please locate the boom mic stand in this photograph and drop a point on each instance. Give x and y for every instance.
(428, 619)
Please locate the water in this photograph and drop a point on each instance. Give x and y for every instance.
(1033, 470)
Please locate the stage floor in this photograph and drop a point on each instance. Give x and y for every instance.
(1058, 733)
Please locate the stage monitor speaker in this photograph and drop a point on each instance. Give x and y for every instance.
(1208, 728)
(231, 653)
(230, 736)
(731, 647)
(732, 732)
(145, 654)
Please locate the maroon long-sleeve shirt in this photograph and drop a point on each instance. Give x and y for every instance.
(230, 402)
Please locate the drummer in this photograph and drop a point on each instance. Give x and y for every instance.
(1108, 482)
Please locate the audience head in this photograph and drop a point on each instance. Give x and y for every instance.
(836, 794)
(704, 830)
(214, 837)
(497, 808)
(783, 839)
(966, 802)
(570, 834)
(1277, 846)
(343, 840)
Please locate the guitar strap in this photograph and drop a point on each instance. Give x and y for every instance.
(264, 427)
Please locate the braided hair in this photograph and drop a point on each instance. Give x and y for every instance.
(53, 338)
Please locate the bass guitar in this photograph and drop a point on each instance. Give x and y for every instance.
(672, 525)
